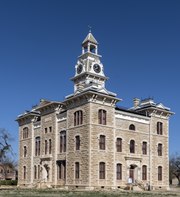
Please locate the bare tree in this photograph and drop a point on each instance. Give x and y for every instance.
(9, 167)
(7, 162)
(5, 146)
(174, 167)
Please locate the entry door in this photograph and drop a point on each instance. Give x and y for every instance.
(131, 174)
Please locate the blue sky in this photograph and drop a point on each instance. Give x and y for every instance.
(40, 41)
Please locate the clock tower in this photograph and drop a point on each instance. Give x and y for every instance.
(89, 70)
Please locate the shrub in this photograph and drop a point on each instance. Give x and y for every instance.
(8, 182)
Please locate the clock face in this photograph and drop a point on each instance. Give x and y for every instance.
(79, 69)
(97, 68)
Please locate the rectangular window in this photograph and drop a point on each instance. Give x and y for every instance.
(119, 145)
(45, 130)
(102, 170)
(35, 172)
(77, 142)
(61, 170)
(159, 173)
(62, 141)
(39, 171)
(144, 173)
(159, 128)
(24, 172)
(77, 170)
(78, 118)
(102, 117)
(102, 142)
(132, 146)
(50, 129)
(50, 146)
(144, 148)
(37, 146)
(119, 171)
(159, 149)
(25, 151)
(46, 146)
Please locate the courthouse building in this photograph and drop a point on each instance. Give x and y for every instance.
(87, 141)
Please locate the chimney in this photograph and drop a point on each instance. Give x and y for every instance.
(136, 102)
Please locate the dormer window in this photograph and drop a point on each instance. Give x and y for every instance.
(132, 127)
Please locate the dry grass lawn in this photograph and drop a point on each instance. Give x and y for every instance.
(58, 193)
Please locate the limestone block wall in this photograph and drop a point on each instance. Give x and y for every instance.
(97, 155)
(140, 134)
(82, 155)
(48, 132)
(25, 161)
(160, 160)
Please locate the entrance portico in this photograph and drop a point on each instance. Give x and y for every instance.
(133, 168)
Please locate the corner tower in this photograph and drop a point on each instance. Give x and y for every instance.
(89, 70)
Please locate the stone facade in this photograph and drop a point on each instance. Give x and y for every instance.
(88, 142)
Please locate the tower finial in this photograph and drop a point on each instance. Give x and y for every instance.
(89, 28)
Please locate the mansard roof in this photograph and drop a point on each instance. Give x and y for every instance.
(118, 108)
(149, 103)
(36, 110)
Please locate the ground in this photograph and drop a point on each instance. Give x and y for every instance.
(14, 192)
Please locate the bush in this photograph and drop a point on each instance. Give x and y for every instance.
(8, 182)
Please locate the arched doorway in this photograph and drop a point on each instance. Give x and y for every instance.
(133, 173)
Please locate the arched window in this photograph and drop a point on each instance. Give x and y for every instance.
(159, 128)
(144, 172)
(132, 127)
(50, 146)
(159, 173)
(46, 147)
(25, 151)
(159, 149)
(37, 146)
(35, 172)
(62, 141)
(77, 170)
(25, 132)
(132, 146)
(77, 142)
(119, 171)
(102, 116)
(102, 170)
(144, 148)
(119, 145)
(102, 142)
(78, 117)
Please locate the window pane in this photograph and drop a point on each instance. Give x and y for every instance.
(77, 170)
(102, 142)
(77, 142)
(144, 148)
(119, 171)
(102, 170)
(144, 172)
(119, 145)
(132, 146)
(159, 173)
